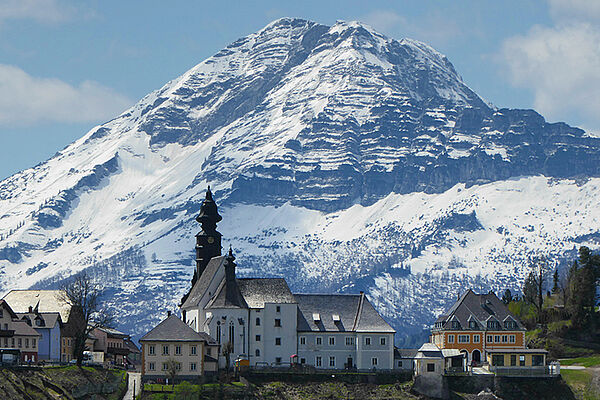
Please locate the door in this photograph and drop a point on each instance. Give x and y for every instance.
(350, 363)
(476, 356)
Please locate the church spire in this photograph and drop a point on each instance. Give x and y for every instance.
(208, 240)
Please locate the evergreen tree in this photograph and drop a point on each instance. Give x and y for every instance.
(507, 296)
(555, 286)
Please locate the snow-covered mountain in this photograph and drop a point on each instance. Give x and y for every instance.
(341, 159)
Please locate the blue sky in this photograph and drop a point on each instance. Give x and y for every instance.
(66, 66)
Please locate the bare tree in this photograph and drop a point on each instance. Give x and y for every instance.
(226, 352)
(83, 295)
(173, 368)
(536, 282)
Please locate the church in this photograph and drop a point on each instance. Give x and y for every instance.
(261, 320)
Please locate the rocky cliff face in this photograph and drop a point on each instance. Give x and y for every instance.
(342, 160)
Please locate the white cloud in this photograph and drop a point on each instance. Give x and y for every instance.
(47, 11)
(560, 64)
(27, 100)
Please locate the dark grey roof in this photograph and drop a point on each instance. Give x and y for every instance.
(175, 330)
(50, 319)
(524, 351)
(201, 285)
(478, 307)
(258, 291)
(405, 353)
(354, 311)
(223, 300)
(22, 329)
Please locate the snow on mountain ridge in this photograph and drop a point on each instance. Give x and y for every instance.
(342, 159)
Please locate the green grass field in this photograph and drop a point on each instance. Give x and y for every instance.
(587, 362)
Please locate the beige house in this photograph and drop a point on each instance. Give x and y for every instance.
(174, 346)
(15, 334)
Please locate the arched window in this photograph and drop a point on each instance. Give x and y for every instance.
(257, 321)
(257, 353)
(219, 332)
(232, 334)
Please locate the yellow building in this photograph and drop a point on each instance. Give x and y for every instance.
(478, 325)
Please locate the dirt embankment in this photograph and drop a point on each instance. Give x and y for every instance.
(70, 383)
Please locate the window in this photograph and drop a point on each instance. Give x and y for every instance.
(472, 324)
(26, 343)
(374, 361)
(219, 332)
(257, 321)
(165, 366)
(38, 322)
(512, 338)
(5, 325)
(303, 361)
(151, 366)
(1, 313)
(192, 366)
(513, 360)
(208, 351)
(257, 338)
(493, 325)
(455, 325)
(20, 341)
(302, 340)
(450, 338)
(521, 361)
(278, 308)
(318, 361)
(232, 335)
(367, 341)
(430, 367)
(277, 322)
(331, 341)
(277, 341)
(496, 338)
(165, 351)
(193, 350)
(178, 350)
(5, 342)
(382, 341)
(463, 339)
(476, 338)
(331, 361)
(319, 340)
(277, 360)
(178, 366)
(349, 341)
(257, 353)
(498, 360)
(399, 364)
(489, 339)
(537, 360)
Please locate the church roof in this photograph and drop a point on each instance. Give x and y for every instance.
(45, 300)
(173, 329)
(221, 300)
(258, 291)
(338, 313)
(480, 308)
(201, 285)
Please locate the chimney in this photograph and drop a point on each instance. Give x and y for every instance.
(30, 309)
(169, 313)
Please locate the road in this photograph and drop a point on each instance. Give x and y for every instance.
(135, 382)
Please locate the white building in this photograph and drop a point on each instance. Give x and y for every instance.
(262, 320)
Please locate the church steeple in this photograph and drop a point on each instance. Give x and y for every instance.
(208, 240)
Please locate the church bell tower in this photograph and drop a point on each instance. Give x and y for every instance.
(208, 240)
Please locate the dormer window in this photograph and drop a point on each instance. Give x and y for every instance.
(510, 324)
(27, 321)
(472, 324)
(493, 324)
(455, 325)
